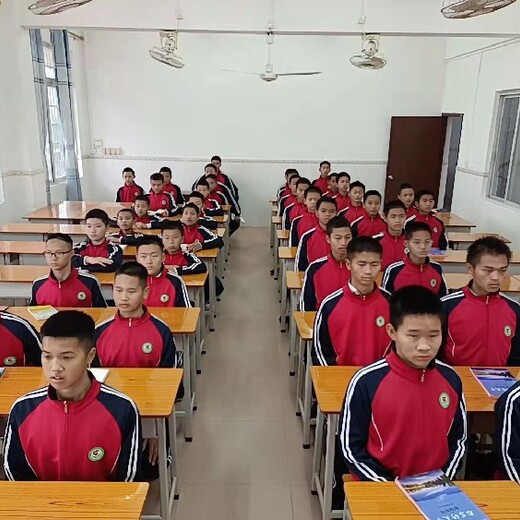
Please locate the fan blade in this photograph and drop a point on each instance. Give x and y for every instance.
(241, 72)
(298, 73)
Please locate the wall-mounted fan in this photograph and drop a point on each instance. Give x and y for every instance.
(166, 53)
(369, 58)
(45, 7)
(469, 8)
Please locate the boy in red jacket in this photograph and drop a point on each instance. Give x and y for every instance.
(291, 197)
(296, 208)
(342, 197)
(392, 238)
(333, 185)
(285, 189)
(126, 220)
(197, 237)
(356, 209)
(130, 190)
(20, 345)
(215, 191)
(169, 187)
(308, 219)
(407, 196)
(76, 428)
(322, 182)
(425, 202)
(211, 207)
(370, 223)
(142, 219)
(161, 202)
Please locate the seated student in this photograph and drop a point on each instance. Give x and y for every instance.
(161, 202)
(215, 191)
(371, 223)
(356, 209)
(407, 196)
(322, 182)
(97, 254)
(342, 197)
(405, 414)
(291, 197)
(298, 207)
(126, 219)
(285, 189)
(330, 273)
(102, 435)
(483, 324)
(308, 219)
(349, 328)
(172, 236)
(211, 207)
(392, 238)
(416, 268)
(130, 190)
(425, 204)
(20, 345)
(313, 244)
(65, 286)
(204, 219)
(142, 219)
(169, 187)
(165, 288)
(197, 237)
(216, 161)
(333, 185)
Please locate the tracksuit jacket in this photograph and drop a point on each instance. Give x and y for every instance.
(284, 202)
(162, 200)
(323, 277)
(343, 202)
(129, 239)
(212, 208)
(368, 226)
(353, 213)
(95, 439)
(398, 421)
(79, 289)
(224, 180)
(283, 191)
(186, 263)
(301, 225)
(150, 222)
(218, 197)
(482, 330)
(129, 193)
(411, 213)
(321, 183)
(104, 250)
(349, 328)
(20, 344)
(207, 239)
(313, 245)
(175, 192)
(393, 248)
(291, 212)
(405, 273)
(167, 290)
(440, 240)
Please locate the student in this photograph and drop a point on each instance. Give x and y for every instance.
(405, 414)
(291, 198)
(392, 238)
(356, 209)
(425, 204)
(165, 288)
(407, 196)
(126, 219)
(322, 182)
(97, 254)
(20, 345)
(130, 190)
(161, 202)
(142, 219)
(416, 268)
(211, 207)
(204, 220)
(308, 219)
(216, 161)
(75, 429)
(330, 273)
(215, 191)
(285, 189)
(298, 207)
(185, 263)
(197, 237)
(169, 187)
(483, 324)
(333, 185)
(313, 244)
(65, 286)
(342, 197)
(349, 328)
(371, 223)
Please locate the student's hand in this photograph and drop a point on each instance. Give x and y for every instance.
(196, 246)
(163, 212)
(113, 238)
(140, 225)
(98, 260)
(153, 450)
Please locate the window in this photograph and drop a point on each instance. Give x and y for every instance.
(505, 167)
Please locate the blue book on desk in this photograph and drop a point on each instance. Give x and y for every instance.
(437, 498)
(435, 251)
(495, 381)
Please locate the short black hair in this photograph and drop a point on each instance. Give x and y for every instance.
(372, 193)
(135, 269)
(323, 200)
(414, 300)
(211, 165)
(356, 184)
(303, 180)
(203, 182)
(148, 240)
(345, 174)
(129, 210)
(143, 198)
(421, 193)
(211, 176)
(192, 206)
(294, 176)
(166, 169)
(337, 223)
(487, 246)
(60, 236)
(393, 204)
(334, 175)
(363, 244)
(324, 162)
(157, 177)
(99, 214)
(171, 225)
(406, 186)
(413, 226)
(312, 189)
(71, 324)
(289, 171)
(197, 195)
(216, 158)
(128, 170)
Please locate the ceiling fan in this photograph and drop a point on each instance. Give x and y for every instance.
(460, 9)
(269, 74)
(369, 58)
(46, 7)
(166, 53)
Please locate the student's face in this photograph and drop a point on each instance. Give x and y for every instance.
(63, 254)
(364, 268)
(343, 185)
(157, 186)
(197, 202)
(395, 220)
(356, 195)
(300, 192)
(417, 339)
(217, 164)
(311, 200)
(96, 229)
(324, 170)
(189, 217)
(489, 273)
(167, 176)
(203, 190)
(339, 240)
(128, 177)
(125, 220)
(212, 184)
(210, 170)
(151, 257)
(333, 184)
(128, 294)
(426, 204)
(419, 244)
(141, 208)
(64, 362)
(292, 185)
(406, 196)
(326, 211)
(372, 205)
(172, 240)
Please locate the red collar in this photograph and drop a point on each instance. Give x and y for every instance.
(341, 265)
(486, 299)
(131, 322)
(72, 276)
(76, 406)
(418, 267)
(349, 293)
(406, 371)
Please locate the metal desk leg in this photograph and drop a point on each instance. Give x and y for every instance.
(272, 232)
(332, 421)
(293, 303)
(172, 423)
(212, 295)
(193, 364)
(307, 401)
(318, 448)
(283, 298)
(275, 258)
(164, 480)
(188, 393)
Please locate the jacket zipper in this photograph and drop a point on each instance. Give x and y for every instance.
(66, 450)
(487, 322)
(423, 375)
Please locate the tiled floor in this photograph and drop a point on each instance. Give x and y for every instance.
(246, 461)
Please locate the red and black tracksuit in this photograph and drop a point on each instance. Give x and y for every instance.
(438, 232)
(393, 248)
(411, 213)
(301, 225)
(207, 239)
(482, 330)
(95, 439)
(212, 208)
(353, 213)
(20, 344)
(323, 277)
(313, 245)
(284, 202)
(343, 202)
(175, 192)
(150, 222)
(185, 263)
(366, 226)
(167, 290)
(349, 328)
(405, 273)
(283, 191)
(398, 421)
(218, 197)
(322, 183)
(291, 212)
(224, 180)
(128, 239)
(129, 193)
(104, 250)
(162, 200)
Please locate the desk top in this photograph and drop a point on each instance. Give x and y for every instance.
(73, 210)
(287, 253)
(276, 219)
(283, 234)
(66, 500)
(294, 279)
(458, 256)
(26, 228)
(450, 219)
(385, 501)
(153, 389)
(304, 323)
(471, 237)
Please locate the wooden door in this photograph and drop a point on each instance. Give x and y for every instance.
(415, 154)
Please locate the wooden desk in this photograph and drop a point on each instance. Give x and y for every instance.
(464, 240)
(385, 501)
(73, 211)
(67, 500)
(294, 281)
(455, 262)
(283, 234)
(276, 219)
(285, 257)
(454, 223)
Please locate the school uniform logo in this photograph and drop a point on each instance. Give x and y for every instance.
(508, 331)
(435, 230)
(165, 298)
(9, 361)
(82, 296)
(147, 348)
(136, 193)
(164, 202)
(433, 282)
(444, 400)
(380, 321)
(96, 454)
